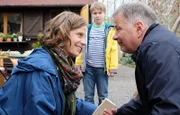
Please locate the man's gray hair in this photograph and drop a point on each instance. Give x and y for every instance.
(137, 11)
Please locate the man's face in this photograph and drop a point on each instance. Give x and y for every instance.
(98, 16)
(126, 34)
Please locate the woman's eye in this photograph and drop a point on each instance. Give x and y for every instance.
(80, 35)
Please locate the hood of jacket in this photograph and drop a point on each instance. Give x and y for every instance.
(39, 59)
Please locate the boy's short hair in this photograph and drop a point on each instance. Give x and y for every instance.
(99, 6)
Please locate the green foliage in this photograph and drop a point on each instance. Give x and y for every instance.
(127, 60)
(2, 34)
(37, 44)
(39, 36)
(8, 36)
(15, 36)
(19, 33)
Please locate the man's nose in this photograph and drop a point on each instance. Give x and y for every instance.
(115, 36)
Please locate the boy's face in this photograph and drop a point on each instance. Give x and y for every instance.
(98, 16)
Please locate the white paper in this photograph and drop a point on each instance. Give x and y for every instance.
(106, 104)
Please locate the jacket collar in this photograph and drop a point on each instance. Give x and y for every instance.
(151, 27)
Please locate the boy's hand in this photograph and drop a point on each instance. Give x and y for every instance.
(111, 74)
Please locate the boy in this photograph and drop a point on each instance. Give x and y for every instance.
(100, 57)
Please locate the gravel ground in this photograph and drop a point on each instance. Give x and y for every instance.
(121, 87)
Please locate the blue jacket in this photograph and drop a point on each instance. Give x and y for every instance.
(157, 75)
(34, 88)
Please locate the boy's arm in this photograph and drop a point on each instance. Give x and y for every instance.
(114, 57)
(113, 62)
(78, 61)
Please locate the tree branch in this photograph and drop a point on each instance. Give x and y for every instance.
(176, 24)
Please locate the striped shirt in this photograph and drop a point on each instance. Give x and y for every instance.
(96, 49)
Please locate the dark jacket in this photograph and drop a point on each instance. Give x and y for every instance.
(157, 75)
(34, 89)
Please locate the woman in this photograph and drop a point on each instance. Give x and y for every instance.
(45, 82)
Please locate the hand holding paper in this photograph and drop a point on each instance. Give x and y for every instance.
(106, 104)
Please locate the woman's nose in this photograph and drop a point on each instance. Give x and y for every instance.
(83, 42)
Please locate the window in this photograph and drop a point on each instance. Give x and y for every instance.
(1, 22)
(11, 22)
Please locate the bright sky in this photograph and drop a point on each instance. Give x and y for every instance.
(110, 5)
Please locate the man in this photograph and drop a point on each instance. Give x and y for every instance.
(157, 52)
(100, 59)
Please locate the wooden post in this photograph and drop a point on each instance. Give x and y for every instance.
(2, 79)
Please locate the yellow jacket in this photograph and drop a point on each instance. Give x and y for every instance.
(111, 55)
(111, 52)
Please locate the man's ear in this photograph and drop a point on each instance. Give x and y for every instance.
(139, 28)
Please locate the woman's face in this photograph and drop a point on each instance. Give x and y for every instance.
(77, 38)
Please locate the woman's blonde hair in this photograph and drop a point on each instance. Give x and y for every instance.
(58, 29)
